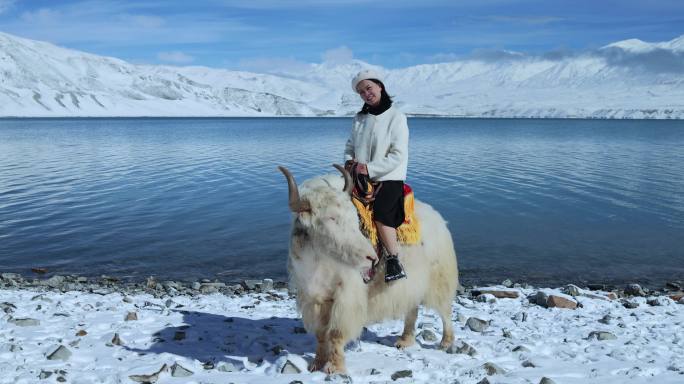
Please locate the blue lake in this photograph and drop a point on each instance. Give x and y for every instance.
(542, 201)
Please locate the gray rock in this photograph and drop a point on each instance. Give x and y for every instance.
(152, 283)
(630, 304)
(169, 303)
(227, 367)
(601, 335)
(7, 307)
(251, 285)
(401, 374)
(374, 371)
(596, 287)
(25, 322)
(507, 283)
(169, 284)
(506, 333)
(540, 298)
(607, 319)
(572, 290)
(151, 378)
(659, 301)
(461, 318)
(486, 298)
(266, 285)
(44, 374)
(673, 286)
(546, 380)
(10, 276)
(528, 364)
(207, 289)
(196, 285)
(61, 353)
(461, 347)
(339, 378)
(289, 367)
(41, 297)
(681, 301)
(477, 325)
(296, 382)
(521, 348)
(178, 370)
(483, 381)
(179, 335)
(520, 316)
(54, 281)
(634, 290)
(493, 369)
(72, 287)
(116, 340)
(428, 335)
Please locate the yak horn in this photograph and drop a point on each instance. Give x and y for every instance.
(347, 178)
(296, 205)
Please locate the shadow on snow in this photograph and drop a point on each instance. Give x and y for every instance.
(217, 338)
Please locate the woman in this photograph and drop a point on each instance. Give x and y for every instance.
(378, 148)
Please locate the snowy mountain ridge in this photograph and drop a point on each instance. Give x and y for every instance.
(626, 79)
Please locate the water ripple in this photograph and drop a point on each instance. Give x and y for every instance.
(545, 200)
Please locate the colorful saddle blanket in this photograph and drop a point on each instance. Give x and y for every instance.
(407, 233)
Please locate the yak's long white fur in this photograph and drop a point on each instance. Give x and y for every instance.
(328, 252)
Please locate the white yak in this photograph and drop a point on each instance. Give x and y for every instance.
(328, 255)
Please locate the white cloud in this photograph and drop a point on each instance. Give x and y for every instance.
(6, 4)
(143, 21)
(443, 58)
(41, 16)
(175, 57)
(530, 20)
(124, 23)
(338, 55)
(273, 65)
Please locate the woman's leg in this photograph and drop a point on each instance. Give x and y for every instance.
(388, 236)
(393, 268)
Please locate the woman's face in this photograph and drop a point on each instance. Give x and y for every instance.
(369, 91)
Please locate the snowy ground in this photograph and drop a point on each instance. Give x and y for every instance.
(249, 339)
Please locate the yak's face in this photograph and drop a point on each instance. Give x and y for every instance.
(329, 228)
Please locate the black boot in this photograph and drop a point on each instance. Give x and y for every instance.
(393, 269)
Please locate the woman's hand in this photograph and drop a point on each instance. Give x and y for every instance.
(361, 169)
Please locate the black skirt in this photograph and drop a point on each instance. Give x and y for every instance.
(388, 207)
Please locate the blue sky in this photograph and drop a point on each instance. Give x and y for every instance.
(260, 34)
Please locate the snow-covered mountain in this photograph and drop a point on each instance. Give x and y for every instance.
(626, 79)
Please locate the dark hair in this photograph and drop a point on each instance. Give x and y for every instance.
(385, 101)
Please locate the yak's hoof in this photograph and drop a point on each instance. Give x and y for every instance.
(317, 365)
(405, 342)
(446, 343)
(331, 368)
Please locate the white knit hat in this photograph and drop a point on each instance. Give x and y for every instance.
(365, 75)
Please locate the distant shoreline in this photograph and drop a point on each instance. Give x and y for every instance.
(410, 115)
(73, 282)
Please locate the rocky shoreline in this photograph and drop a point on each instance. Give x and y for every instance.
(110, 284)
(78, 329)
(171, 288)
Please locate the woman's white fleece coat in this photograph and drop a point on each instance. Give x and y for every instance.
(381, 142)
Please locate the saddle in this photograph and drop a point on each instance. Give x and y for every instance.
(363, 195)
